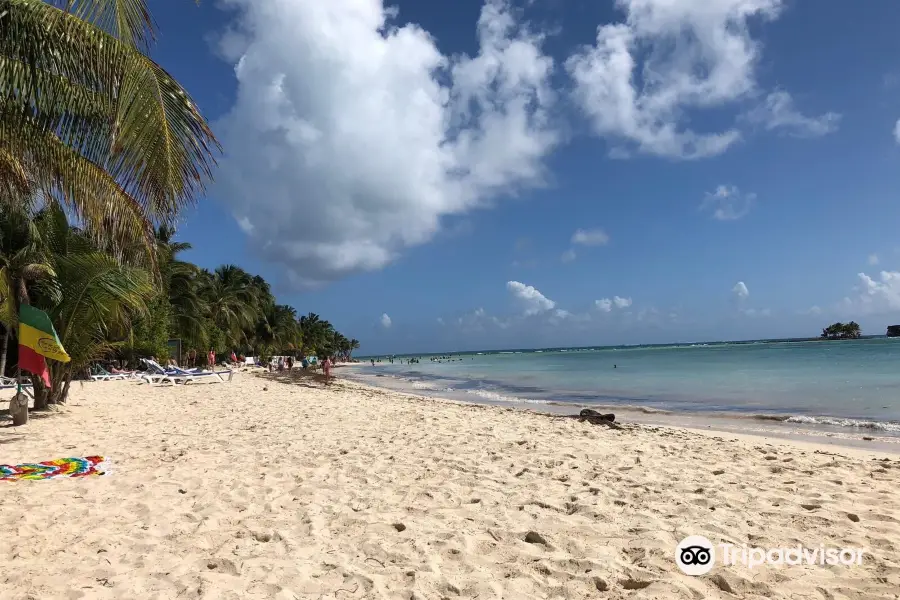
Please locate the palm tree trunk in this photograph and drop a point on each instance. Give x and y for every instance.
(41, 393)
(3, 349)
(60, 390)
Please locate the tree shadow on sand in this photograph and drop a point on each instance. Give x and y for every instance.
(7, 423)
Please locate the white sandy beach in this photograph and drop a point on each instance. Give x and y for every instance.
(230, 491)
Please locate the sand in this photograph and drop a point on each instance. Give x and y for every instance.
(230, 491)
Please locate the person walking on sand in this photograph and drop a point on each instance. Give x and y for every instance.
(326, 366)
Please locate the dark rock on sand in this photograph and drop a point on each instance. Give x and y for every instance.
(533, 537)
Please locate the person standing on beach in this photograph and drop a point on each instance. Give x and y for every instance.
(326, 366)
(211, 359)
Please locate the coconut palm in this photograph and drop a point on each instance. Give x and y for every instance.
(285, 327)
(277, 329)
(325, 342)
(23, 261)
(316, 334)
(233, 302)
(92, 123)
(93, 300)
(181, 282)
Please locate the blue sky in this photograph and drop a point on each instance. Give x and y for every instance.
(437, 166)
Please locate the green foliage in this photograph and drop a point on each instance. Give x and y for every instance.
(92, 122)
(150, 332)
(842, 331)
(93, 130)
(216, 339)
(103, 306)
(92, 299)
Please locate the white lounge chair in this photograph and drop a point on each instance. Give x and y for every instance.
(26, 387)
(157, 375)
(104, 375)
(204, 376)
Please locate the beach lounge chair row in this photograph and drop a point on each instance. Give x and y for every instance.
(101, 374)
(157, 375)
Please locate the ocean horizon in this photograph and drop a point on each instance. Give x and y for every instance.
(836, 384)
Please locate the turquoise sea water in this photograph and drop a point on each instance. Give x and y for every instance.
(842, 383)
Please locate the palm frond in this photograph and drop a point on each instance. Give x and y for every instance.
(127, 20)
(106, 210)
(14, 182)
(98, 293)
(107, 100)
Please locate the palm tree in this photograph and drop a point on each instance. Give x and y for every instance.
(285, 328)
(262, 290)
(277, 329)
(91, 304)
(233, 302)
(311, 331)
(325, 342)
(92, 123)
(181, 284)
(341, 345)
(22, 262)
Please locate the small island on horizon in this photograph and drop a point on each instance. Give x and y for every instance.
(842, 331)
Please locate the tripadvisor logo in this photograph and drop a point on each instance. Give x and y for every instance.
(696, 555)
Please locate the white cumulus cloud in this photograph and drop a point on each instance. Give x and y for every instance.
(590, 237)
(727, 203)
(778, 112)
(667, 57)
(740, 290)
(873, 259)
(606, 305)
(530, 298)
(643, 77)
(385, 320)
(353, 137)
(877, 296)
(897, 131)
(621, 302)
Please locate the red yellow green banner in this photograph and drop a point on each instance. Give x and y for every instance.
(37, 340)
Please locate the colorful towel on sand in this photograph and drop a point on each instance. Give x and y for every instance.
(61, 467)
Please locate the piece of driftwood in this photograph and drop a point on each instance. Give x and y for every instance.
(595, 418)
(590, 413)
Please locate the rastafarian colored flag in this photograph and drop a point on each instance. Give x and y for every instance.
(38, 339)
